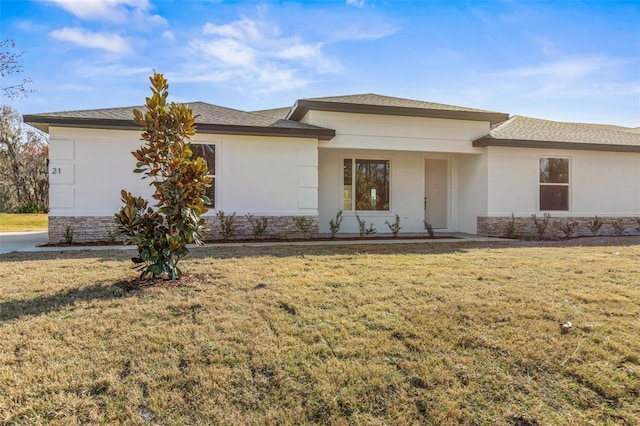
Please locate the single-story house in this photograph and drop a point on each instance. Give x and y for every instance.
(459, 169)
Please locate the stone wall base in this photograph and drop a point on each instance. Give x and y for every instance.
(524, 226)
(86, 229)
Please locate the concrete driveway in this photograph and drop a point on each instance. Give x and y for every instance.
(17, 241)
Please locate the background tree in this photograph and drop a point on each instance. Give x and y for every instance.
(180, 182)
(24, 181)
(11, 65)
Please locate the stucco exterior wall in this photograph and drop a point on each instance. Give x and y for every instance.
(602, 183)
(266, 176)
(388, 132)
(471, 190)
(407, 142)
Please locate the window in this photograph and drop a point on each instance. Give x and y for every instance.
(365, 184)
(554, 183)
(208, 153)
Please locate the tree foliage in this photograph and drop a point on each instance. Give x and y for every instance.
(24, 181)
(180, 182)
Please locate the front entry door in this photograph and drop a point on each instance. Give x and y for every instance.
(436, 184)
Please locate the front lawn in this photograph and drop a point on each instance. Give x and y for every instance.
(448, 333)
(10, 222)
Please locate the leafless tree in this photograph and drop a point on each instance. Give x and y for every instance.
(11, 65)
(24, 183)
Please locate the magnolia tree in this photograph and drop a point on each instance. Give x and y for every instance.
(180, 182)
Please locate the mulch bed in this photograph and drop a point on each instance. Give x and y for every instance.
(271, 240)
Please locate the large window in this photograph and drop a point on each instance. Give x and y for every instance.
(365, 184)
(554, 183)
(208, 153)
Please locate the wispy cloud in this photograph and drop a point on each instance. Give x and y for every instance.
(137, 12)
(256, 53)
(168, 35)
(113, 43)
(356, 3)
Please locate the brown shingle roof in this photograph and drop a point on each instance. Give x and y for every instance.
(211, 119)
(371, 103)
(535, 132)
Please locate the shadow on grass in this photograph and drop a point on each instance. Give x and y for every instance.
(10, 310)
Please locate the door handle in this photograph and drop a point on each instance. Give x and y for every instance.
(425, 203)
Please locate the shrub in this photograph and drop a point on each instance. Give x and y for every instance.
(567, 226)
(510, 228)
(227, 224)
(303, 224)
(395, 226)
(334, 224)
(638, 222)
(112, 233)
(428, 227)
(595, 225)
(362, 227)
(618, 226)
(68, 234)
(258, 226)
(541, 224)
(28, 208)
(180, 183)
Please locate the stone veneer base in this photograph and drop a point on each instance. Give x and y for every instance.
(524, 226)
(87, 229)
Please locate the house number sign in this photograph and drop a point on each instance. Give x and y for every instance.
(60, 173)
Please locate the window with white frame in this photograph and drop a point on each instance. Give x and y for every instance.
(365, 184)
(208, 153)
(554, 183)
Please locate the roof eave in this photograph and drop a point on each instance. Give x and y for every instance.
(43, 124)
(526, 143)
(302, 106)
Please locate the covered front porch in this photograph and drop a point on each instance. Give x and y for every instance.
(442, 189)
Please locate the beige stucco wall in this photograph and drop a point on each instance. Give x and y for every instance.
(260, 175)
(603, 183)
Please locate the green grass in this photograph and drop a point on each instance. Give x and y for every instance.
(22, 222)
(393, 334)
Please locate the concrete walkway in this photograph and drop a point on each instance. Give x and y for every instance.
(31, 241)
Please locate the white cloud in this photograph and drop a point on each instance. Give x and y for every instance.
(168, 35)
(563, 69)
(105, 41)
(260, 56)
(136, 12)
(356, 3)
(244, 29)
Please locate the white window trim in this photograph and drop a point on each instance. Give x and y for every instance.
(568, 185)
(353, 158)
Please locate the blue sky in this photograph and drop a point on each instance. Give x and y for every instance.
(559, 60)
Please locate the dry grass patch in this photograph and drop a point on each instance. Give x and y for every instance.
(23, 222)
(396, 334)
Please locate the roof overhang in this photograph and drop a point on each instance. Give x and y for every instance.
(43, 123)
(526, 143)
(302, 106)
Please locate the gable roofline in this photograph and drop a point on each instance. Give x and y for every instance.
(385, 105)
